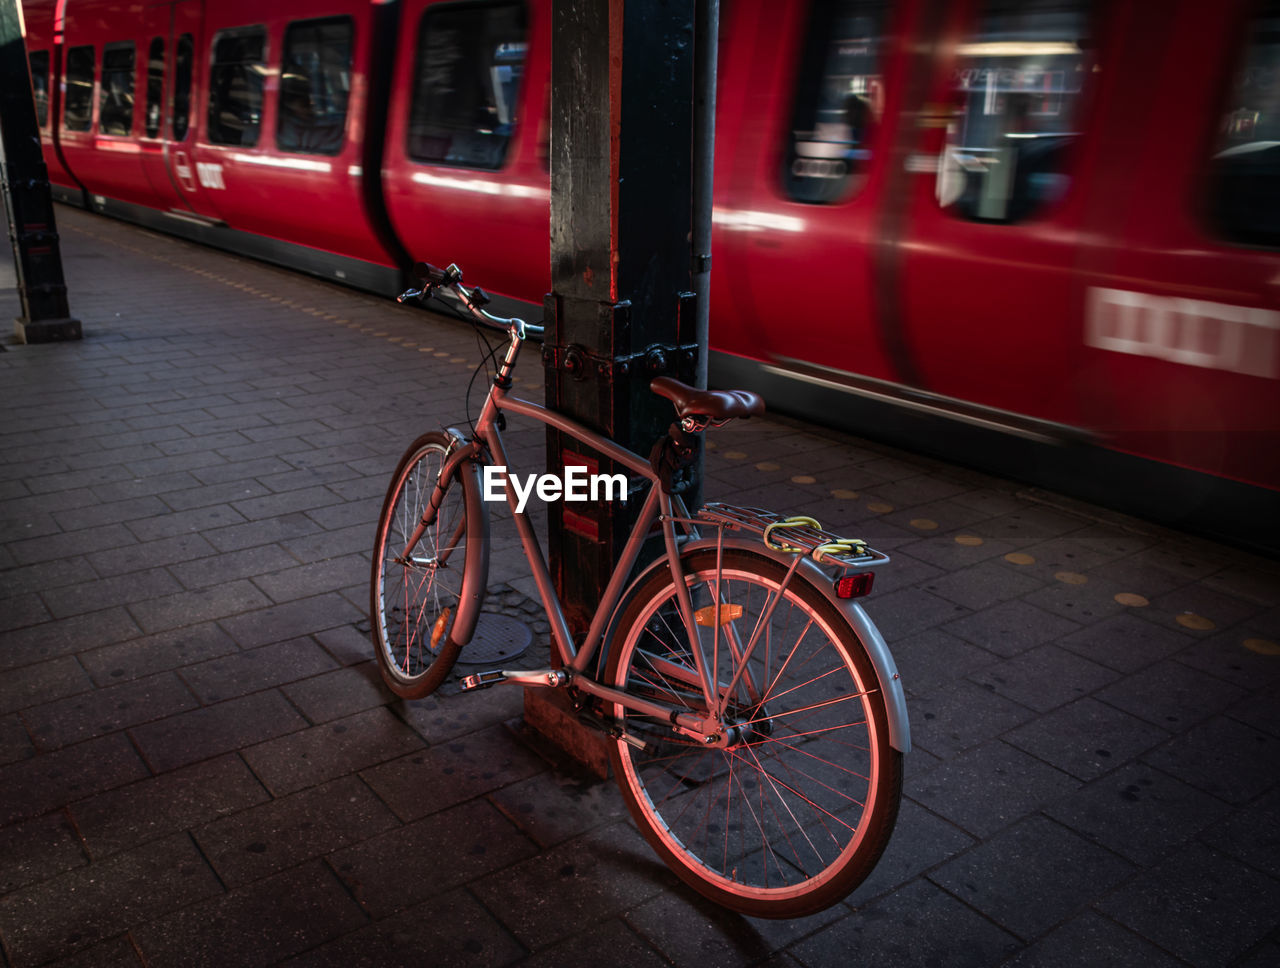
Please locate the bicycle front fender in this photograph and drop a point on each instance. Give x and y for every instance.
(886, 669)
(476, 566)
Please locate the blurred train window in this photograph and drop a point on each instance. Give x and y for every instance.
(78, 109)
(235, 86)
(1018, 82)
(182, 66)
(1244, 187)
(315, 85)
(839, 99)
(155, 85)
(115, 96)
(40, 84)
(467, 84)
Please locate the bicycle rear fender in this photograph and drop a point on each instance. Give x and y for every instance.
(895, 700)
(476, 565)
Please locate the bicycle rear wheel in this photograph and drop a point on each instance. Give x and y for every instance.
(419, 592)
(796, 810)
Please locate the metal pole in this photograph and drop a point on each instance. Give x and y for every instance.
(706, 41)
(621, 310)
(25, 182)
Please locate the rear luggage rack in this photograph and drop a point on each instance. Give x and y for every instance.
(799, 535)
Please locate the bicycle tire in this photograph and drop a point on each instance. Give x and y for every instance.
(416, 607)
(796, 815)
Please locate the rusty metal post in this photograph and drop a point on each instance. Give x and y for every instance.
(621, 310)
(25, 181)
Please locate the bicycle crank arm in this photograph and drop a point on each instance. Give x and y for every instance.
(518, 677)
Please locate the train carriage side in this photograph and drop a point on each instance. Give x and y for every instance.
(1038, 265)
(235, 123)
(1179, 282)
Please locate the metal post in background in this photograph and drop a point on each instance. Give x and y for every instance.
(25, 184)
(621, 310)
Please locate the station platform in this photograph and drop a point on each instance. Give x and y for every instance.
(199, 765)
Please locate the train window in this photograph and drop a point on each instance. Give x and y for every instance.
(1018, 82)
(115, 96)
(467, 84)
(184, 57)
(235, 86)
(1244, 177)
(40, 84)
(839, 99)
(78, 109)
(315, 85)
(155, 86)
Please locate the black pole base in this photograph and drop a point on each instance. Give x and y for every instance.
(47, 330)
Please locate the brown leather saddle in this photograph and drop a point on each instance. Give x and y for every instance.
(716, 404)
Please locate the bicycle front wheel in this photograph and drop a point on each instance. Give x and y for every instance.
(419, 590)
(791, 812)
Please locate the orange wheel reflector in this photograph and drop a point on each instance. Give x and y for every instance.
(706, 617)
(437, 632)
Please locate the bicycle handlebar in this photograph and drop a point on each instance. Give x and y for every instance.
(474, 299)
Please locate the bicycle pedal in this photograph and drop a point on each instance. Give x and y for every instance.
(483, 680)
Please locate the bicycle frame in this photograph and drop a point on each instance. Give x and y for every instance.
(486, 444)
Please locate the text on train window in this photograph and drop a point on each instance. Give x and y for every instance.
(315, 85)
(839, 100)
(1018, 82)
(235, 86)
(115, 96)
(155, 86)
(1244, 186)
(40, 84)
(466, 85)
(182, 67)
(78, 109)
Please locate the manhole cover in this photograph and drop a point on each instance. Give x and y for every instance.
(497, 638)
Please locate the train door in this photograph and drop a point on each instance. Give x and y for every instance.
(156, 55)
(183, 43)
(1181, 279)
(986, 256)
(811, 94)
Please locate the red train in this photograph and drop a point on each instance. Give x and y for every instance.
(1044, 233)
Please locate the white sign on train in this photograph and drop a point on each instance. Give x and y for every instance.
(1194, 332)
(210, 175)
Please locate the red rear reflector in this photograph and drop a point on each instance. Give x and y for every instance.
(854, 586)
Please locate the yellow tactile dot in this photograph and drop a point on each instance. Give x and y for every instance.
(458, 359)
(1071, 578)
(1018, 558)
(425, 349)
(924, 524)
(1262, 646)
(395, 339)
(879, 507)
(1190, 620)
(804, 479)
(1131, 599)
(406, 344)
(443, 354)
(968, 540)
(383, 333)
(844, 494)
(711, 445)
(768, 465)
(735, 454)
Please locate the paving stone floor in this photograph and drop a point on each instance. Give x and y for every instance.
(198, 764)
